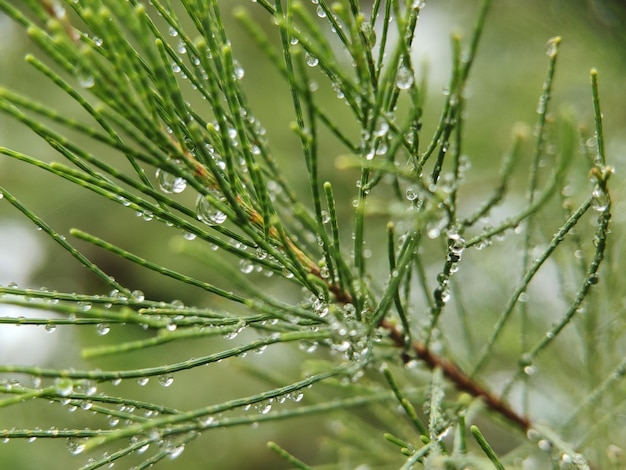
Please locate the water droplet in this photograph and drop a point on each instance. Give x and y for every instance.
(166, 380)
(404, 78)
(75, 446)
(170, 183)
(368, 156)
(530, 370)
(189, 236)
(311, 60)
(51, 327)
(526, 363)
(456, 244)
(176, 451)
(238, 71)
(341, 346)
(544, 445)
(541, 105)
(307, 346)
(246, 266)
(142, 381)
(85, 80)
(600, 199)
(113, 421)
(442, 295)
(381, 128)
(418, 4)
(382, 148)
(63, 386)
(207, 421)
(88, 387)
(138, 295)
(411, 193)
(103, 329)
(173, 32)
(349, 310)
(533, 435)
(338, 91)
(207, 213)
(261, 254)
(232, 334)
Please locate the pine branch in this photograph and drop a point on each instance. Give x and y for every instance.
(162, 92)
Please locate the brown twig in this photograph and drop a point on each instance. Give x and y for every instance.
(459, 378)
(451, 371)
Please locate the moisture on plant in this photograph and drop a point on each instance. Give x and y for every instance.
(278, 241)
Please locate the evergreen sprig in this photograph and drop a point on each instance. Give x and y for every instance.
(163, 92)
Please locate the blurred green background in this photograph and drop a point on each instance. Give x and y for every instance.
(506, 84)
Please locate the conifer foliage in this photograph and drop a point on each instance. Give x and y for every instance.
(378, 290)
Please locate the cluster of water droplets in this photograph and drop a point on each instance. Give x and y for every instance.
(320, 306)
(566, 460)
(146, 215)
(456, 247)
(234, 332)
(76, 446)
(350, 337)
(376, 142)
(573, 461)
(171, 447)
